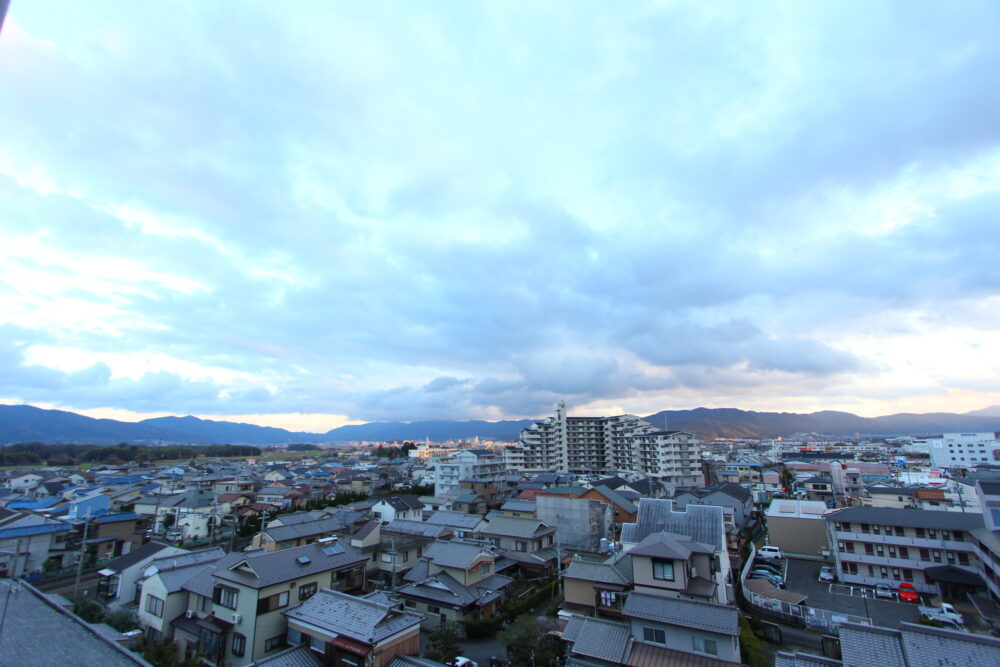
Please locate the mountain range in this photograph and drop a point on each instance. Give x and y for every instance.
(25, 423)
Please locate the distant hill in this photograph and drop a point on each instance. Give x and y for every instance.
(24, 423)
(991, 411)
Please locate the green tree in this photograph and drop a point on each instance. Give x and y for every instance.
(527, 644)
(444, 644)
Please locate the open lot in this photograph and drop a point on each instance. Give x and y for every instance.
(802, 576)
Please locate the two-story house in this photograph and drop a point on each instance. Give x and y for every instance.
(528, 542)
(464, 526)
(117, 587)
(161, 593)
(597, 588)
(455, 581)
(882, 545)
(398, 507)
(676, 566)
(347, 631)
(234, 613)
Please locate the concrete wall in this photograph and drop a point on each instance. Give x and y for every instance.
(798, 536)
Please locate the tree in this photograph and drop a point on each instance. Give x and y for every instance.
(527, 645)
(444, 646)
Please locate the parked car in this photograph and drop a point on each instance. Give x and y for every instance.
(826, 573)
(774, 581)
(907, 593)
(770, 552)
(465, 662)
(884, 592)
(945, 614)
(773, 569)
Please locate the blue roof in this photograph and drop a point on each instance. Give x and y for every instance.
(44, 503)
(149, 487)
(117, 516)
(33, 530)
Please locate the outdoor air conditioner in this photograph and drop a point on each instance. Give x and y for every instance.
(189, 613)
(236, 618)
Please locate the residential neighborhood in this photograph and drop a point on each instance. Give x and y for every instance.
(780, 553)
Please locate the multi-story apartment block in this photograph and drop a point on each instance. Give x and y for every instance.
(621, 444)
(479, 464)
(964, 450)
(881, 545)
(987, 538)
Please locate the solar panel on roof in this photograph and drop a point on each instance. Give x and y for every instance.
(333, 550)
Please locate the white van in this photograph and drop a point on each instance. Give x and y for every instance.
(770, 552)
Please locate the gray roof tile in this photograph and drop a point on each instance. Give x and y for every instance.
(363, 619)
(598, 638)
(913, 518)
(683, 613)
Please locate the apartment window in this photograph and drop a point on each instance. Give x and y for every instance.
(876, 530)
(316, 644)
(888, 530)
(907, 574)
(963, 558)
(239, 645)
(879, 550)
(921, 532)
(899, 531)
(840, 546)
(895, 573)
(904, 552)
(654, 635)
(225, 596)
(932, 534)
(869, 549)
(937, 556)
(306, 591)
(272, 602)
(274, 643)
(950, 555)
(865, 528)
(845, 527)
(871, 570)
(892, 552)
(520, 546)
(154, 605)
(706, 646)
(958, 536)
(850, 547)
(204, 604)
(925, 554)
(945, 535)
(294, 637)
(663, 570)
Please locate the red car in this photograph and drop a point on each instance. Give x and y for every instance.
(907, 593)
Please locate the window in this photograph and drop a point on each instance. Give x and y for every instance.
(316, 644)
(406, 556)
(387, 556)
(895, 573)
(272, 602)
(871, 571)
(907, 574)
(865, 528)
(154, 605)
(937, 556)
(850, 547)
(434, 610)
(876, 530)
(410, 604)
(945, 535)
(840, 546)
(899, 531)
(294, 637)
(204, 604)
(880, 550)
(520, 546)
(925, 554)
(225, 596)
(663, 570)
(306, 591)
(963, 558)
(888, 530)
(958, 536)
(274, 643)
(932, 534)
(921, 533)
(654, 635)
(904, 552)
(239, 645)
(705, 645)
(869, 549)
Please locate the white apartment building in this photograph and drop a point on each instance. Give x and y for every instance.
(964, 450)
(623, 444)
(482, 464)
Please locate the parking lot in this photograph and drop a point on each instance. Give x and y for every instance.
(802, 576)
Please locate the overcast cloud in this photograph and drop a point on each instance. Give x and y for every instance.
(347, 211)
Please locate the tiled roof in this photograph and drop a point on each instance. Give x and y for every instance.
(703, 523)
(365, 620)
(598, 638)
(784, 659)
(147, 550)
(297, 656)
(616, 498)
(455, 519)
(454, 553)
(717, 618)
(670, 545)
(596, 572)
(648, 655)
(512, 526)
(913, 518)
(271, 567)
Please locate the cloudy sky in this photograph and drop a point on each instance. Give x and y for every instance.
(306, 214)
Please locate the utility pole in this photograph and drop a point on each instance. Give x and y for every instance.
(392, 547)
(83, 549)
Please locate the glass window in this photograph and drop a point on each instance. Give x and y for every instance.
(654, 635)
(306, 591)
(921, 533)
(706, 646)
(239, 645)
(434, 610)
(316, 644)
(154, 605)
(663, 570)
(274, 643)
(225, 596)
(294, 637)
(904, 552)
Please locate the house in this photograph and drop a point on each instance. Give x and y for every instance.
(597, 588)
(703, 524)
(114, 534)
(455, 581)
(37, 630)
(933, 550)
(279, 496)
(399, 507)
(342, 629)
(29, 542)
(623, 509)
(117, 587)
(516, 507)
(911, 645)
(299, 533)
(25, 482)
(698, 628)
(234, 611)
(490, 489)
(735, 499)
(161, 593)
(528, 542)
(462, 524)
(584, 525)
(819, 487)
(469, 502)
(674, 565)
(479, 464)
